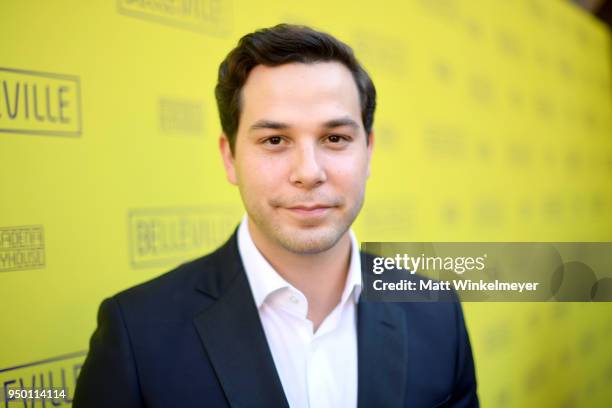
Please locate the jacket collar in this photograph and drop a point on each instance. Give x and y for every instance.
(233, 336)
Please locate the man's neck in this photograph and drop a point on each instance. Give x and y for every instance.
(321, 277)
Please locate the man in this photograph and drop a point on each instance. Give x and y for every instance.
(273, 317)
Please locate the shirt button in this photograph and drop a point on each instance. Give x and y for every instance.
(294, 300)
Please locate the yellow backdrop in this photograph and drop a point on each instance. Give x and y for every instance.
(494, 123)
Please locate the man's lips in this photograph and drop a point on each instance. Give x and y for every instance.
(310, 210)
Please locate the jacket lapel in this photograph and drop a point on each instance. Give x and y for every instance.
(233, 336)
(381, 349)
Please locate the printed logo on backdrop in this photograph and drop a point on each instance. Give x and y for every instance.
(22, 248)
(39, 103)
(167, 236)
(389, 140)
(211, 17)
(181, 117)
(386, 53)
(388, 218)
(445, 141)
(52, 381)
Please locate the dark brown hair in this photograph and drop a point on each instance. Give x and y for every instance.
(278, 45)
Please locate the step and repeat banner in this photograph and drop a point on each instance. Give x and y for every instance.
(493, 125)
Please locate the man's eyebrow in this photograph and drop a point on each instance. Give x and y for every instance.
(341, 122)
(268, 124)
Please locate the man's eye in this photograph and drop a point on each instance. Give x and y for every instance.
(274, 140)
(335, 139)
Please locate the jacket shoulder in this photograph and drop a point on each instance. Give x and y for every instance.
(180, 288)
(182, 276)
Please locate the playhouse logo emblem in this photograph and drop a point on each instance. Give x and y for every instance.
(22, 247)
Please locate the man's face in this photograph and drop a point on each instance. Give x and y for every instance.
(300, 160)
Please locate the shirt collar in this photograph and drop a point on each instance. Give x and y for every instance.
(264, 280)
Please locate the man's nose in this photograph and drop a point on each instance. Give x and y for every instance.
(307, 170)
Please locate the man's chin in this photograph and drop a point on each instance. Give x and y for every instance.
(309, 240)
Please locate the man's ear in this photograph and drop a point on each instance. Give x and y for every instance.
(228, 159)
(370, 148)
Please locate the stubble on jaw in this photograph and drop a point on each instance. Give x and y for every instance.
(306, 240)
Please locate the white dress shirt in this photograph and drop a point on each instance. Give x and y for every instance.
(316, 369)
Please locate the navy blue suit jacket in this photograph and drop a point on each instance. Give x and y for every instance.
(193, 338)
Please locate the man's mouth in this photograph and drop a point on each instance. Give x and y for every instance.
(311, 210)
